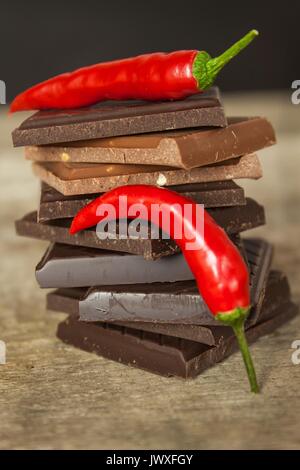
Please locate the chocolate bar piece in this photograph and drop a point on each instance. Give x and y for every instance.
(67, 301)
(54, 205)
(109, 119)
(58, 231)
(74, 266)
(177, 302)
(239, 218)
(276, 293)
(232, 219)
(247, 166)
(259, 255)
(185, 149)
(239, 243)
(157, 353)
(75, 171)
(69, 266)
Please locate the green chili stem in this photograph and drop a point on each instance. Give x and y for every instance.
(239, 331)
(205, 68)
(236, 319)
(216, 64)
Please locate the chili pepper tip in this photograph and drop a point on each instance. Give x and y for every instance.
(73, 229)
(79, 222)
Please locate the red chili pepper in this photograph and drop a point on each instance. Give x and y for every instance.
(157, 76)
(219, 269)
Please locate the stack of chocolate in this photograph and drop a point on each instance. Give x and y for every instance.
(134, 300)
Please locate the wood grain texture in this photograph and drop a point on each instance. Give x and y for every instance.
(53, 396)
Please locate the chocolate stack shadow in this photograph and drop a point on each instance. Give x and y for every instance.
(134, 299)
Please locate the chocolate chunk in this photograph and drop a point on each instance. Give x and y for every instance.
(239, 242)
(74, 171)
(54, 205)
(232, 219)
(74, 266)
(157, 353)
(58, 231)
(273, 293)
(276, 293)
(178, 302)
(67, 300)
(239, 218)
(186, 149)
(247, 166)
(120, 118)
(69, 266)
(259, 255)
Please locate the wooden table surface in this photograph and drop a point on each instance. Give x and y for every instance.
(54, 396)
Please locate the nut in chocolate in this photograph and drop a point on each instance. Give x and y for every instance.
(170, 216)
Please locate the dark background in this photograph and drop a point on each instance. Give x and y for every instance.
(40, 39)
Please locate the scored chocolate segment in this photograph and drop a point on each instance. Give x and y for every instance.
(74, 171)
(240, 244)
(239, 218)
(58, 231)
(69, 266)
(66, 300)
(120, 118)
(232, 219)
(259, 255)
(273, 293)
(176, 303)
(276, 293)
(186, 149)
(54, 205)
(157, 353)
(247, 166)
